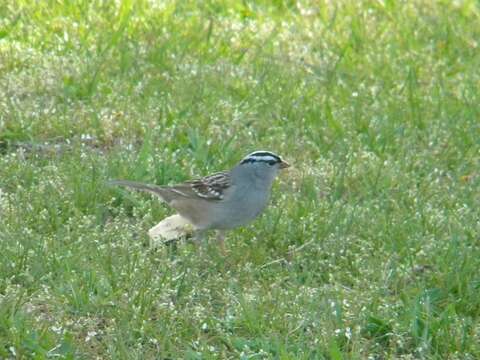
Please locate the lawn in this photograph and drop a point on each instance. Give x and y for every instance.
(370, 248)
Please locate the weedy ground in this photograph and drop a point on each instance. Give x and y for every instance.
(370, 248)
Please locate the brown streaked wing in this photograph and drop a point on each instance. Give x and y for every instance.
(211, 187)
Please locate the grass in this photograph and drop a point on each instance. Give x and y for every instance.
(370, 248)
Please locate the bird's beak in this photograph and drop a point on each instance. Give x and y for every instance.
(284, 165)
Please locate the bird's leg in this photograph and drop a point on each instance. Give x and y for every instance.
(221, 242)
(198, 236)
(195, 238)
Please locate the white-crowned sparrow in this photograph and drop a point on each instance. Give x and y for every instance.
(223, 200)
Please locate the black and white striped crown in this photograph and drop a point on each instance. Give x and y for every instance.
(262, 156)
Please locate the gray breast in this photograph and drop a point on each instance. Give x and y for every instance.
(245, 204)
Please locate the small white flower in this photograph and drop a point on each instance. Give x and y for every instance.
(57, 329)
(90, 335)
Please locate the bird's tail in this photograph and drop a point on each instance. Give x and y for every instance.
(153, 189)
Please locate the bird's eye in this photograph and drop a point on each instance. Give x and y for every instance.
(271, 162)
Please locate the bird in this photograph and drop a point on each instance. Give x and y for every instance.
(223, 200)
